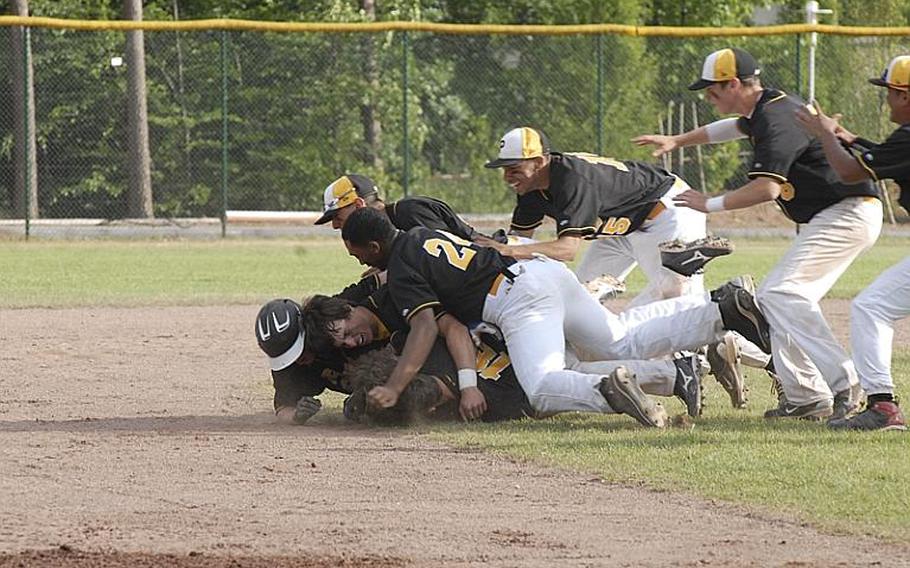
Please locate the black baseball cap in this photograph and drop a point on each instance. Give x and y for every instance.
(279, 332)
(724, 65)
(344, 191)
(519, 144)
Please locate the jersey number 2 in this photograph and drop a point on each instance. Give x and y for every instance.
(457, 250)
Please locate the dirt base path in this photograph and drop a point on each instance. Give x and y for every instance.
(142, 437)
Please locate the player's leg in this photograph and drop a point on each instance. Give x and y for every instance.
(872, 317)
(806, 353)
(529, 313)
(611, 256)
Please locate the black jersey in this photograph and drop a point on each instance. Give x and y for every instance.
(435, 269)
(326, 371)
(360, 290)
(427, 212)
(890, 160)
(506, 400)
(785, 153)
(591, 196)
(298, 381)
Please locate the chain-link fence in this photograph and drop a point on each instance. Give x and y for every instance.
(253, 120)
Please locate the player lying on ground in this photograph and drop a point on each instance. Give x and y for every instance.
(539, 305)
(874, 311)
(353, 326)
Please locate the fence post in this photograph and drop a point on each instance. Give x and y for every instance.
(406, 150)
(224, 133)
(600, 95)
(798, 89)
(26, 64)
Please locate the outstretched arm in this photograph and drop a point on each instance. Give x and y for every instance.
(564, 249)
(757, 191)
(416, 349)
(722, 130)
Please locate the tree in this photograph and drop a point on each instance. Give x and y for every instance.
(25, 195)
(140, 191)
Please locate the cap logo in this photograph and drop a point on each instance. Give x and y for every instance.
(502, 142)
(264, 334)
(281, 326)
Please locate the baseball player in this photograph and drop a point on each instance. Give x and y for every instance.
(298, 374)
(352, 326)
(837, 221)
(354, 191)
(886, 300)
(539, 305)
(625, 207)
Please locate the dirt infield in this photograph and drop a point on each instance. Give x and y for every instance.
(144, 437)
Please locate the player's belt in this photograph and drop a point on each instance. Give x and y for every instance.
(504, 279)
(657, 210)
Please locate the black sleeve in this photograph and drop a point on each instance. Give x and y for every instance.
(891, 158)
(778, 142)
(577, 205)
(528, 214)
(295, 382)
(410, 292)
(431, 213)
(361, 290)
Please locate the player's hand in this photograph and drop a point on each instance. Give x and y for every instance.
(691, 199)
(382, 397)
(483, 328)
(814, 121)
(664, 143)
(473, 404)
(307, 406)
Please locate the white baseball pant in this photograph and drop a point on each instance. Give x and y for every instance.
(618, 256)
(808, 359)
(545, 306)
(872, 317)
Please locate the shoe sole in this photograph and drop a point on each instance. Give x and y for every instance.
(749, 314)
(626, 397)
(736, 390)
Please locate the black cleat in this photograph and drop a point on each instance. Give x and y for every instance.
(811, 411)
(740, 313)
(688, 383)
(688, 258)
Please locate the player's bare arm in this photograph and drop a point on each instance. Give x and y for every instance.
(461, 347)
(424, 331)
(564, 249)
(664, 144)
(757, 191)
(825, 128)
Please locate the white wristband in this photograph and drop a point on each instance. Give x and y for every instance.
(467, 378)
(715, 204)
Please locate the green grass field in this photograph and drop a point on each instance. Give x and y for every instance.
(858, 483)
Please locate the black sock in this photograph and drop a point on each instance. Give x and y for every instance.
(881, 397)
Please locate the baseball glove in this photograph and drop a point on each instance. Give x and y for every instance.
(688, 258)
(418, 401)
(605, 287)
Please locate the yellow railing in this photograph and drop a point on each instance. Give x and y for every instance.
(453, 29)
